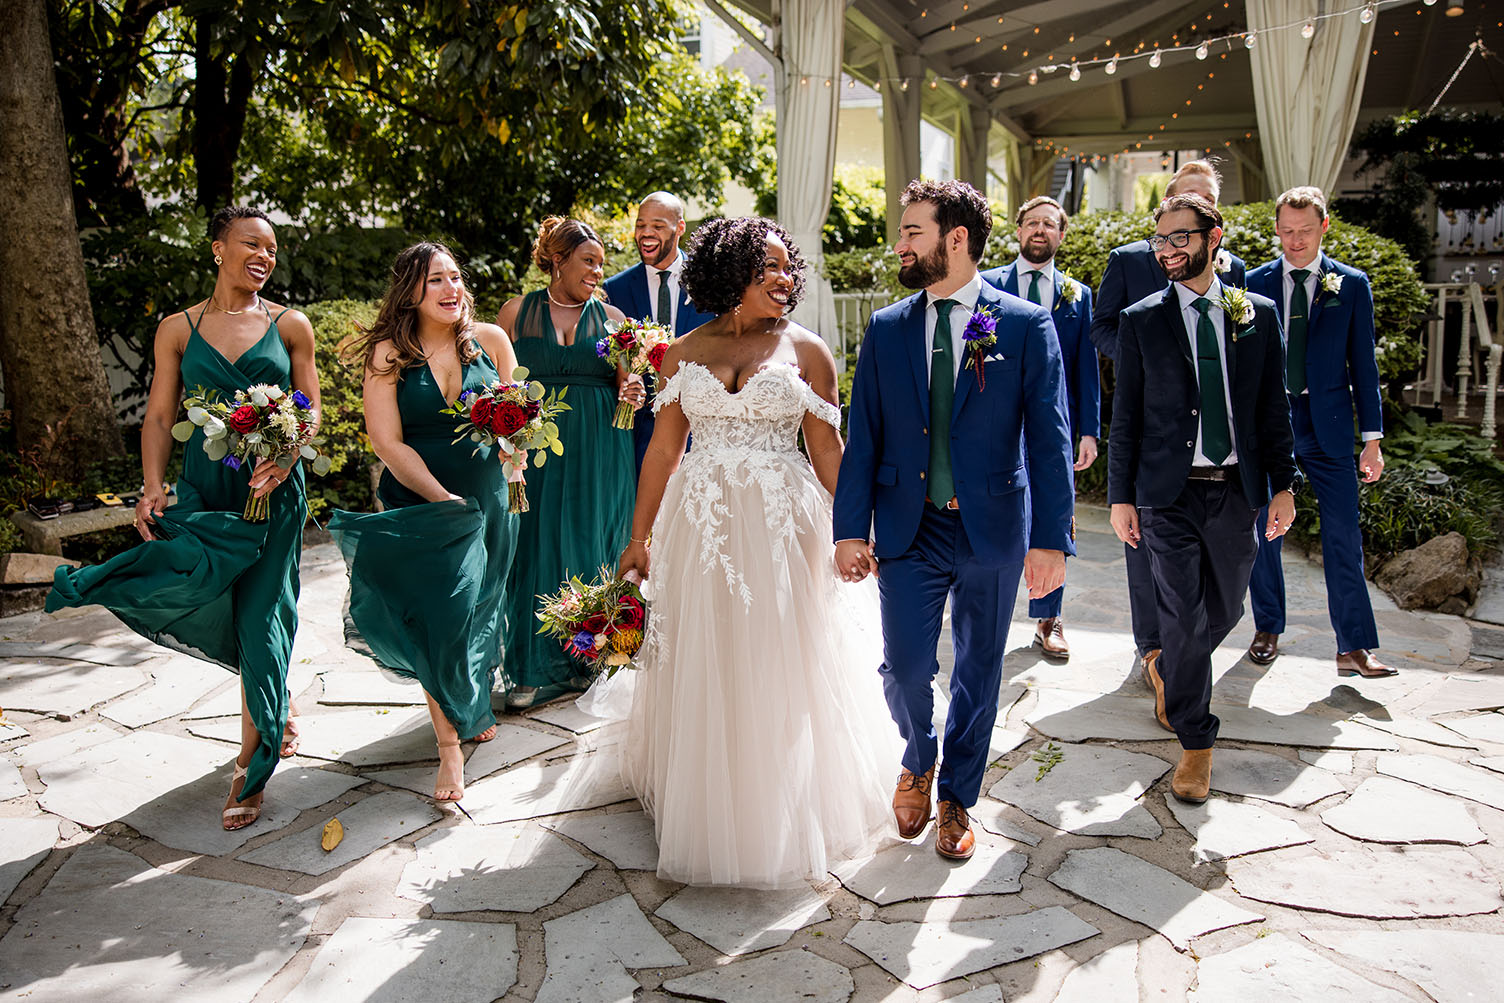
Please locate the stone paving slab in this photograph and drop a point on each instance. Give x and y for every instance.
(64, 689)
(589, 951)
(108, 781)
(369, 825)
(566, 714)
(360, 738)
(1138, 890)
(1400, 884)
(902, 870)
(1252, 724)
(993, 816)
(1445, 776)
(1224, 829)
(24, 842)
(1453, 966)
(534, 790)
(925, 954)
(129, 649)
(1332, 762)
(1070, 716)
(1277, 968)
(1483, 727)
(626, 838)
(65, 744)
(10, 732)
(509, 868)
(1495, 763)
(11, 784)
(738, 921)
(412, 961)
(177, 684)
(513, 744)
(226, 703)
(1458, 692)
(1268, 777)
(1422, 731)
(784, 975)
(1093, 790)
(369, 688)
(110, 927)
(1383, 810)
(1103, 978)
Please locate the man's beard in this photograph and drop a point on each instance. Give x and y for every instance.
(1194, 266)
(1036, 253)
(665, 252)
(925, 271)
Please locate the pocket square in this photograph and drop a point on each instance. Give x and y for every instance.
(995, 357)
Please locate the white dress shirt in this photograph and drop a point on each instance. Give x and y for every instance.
(655, 276)
(1192, 318)
(1046, 281)
(965, 299)
(1287, 270)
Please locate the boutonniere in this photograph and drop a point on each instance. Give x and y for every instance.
(1223, 261)
(1331, 282)
(980, 334)
(1070, 289)
(1235, 303)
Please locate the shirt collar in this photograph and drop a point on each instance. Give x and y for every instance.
(673, 266)
(1286, 267)
(966, 296)
(1047, 270)
(1188, 296)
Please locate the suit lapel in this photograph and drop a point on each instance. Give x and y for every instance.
(966, 376)
(1229, 325)
(644, 298)
(912, 334)
(1010, 279)
(1318, 301)
(1170, 309)
(1061, 306)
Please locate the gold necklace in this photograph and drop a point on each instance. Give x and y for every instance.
(255, 302)
(566, 306)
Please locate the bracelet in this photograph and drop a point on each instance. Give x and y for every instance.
(643, 541)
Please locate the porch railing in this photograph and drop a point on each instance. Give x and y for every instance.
(1481, 345)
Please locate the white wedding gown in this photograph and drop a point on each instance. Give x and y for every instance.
(757, 737)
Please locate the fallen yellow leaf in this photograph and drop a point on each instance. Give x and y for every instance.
(333, 833)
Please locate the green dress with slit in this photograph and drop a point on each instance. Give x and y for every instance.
(427, 578)
(214, 585)
(580, 503)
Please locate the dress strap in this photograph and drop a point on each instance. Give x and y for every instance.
(192, 326)
(279, 315)
(820, 407)
(529, 323)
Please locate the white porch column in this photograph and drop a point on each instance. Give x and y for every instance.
(900, 128)
(973, 127)
(1306, 92)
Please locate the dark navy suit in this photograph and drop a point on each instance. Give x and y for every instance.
(1132, 273)
(1010, 453)
(1340, 372)
(1198, 534)
(628, 292)
(1083, 382)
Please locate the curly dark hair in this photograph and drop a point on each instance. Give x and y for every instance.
(956, 204)
(224, 218)
(726, 256)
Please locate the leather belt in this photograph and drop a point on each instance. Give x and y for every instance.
(952, 505)
(1211, 473)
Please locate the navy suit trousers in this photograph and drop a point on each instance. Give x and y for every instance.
(1201, 549)
(1335, 483)
(913, 587)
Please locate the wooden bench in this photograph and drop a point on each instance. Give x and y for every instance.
(45, 536)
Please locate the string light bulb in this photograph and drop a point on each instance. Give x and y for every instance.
(964, 81)
(903, 84)
(934, 84)
(997, 80)
(1366, 16)
(1075, 72)
(1155, 59)
(1250, 39)
(1308, 29)
(1033, 77)
(1112, 66)
(1203, 50)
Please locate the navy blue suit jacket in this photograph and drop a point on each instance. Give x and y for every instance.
(1083, 382)
(1155, 405)
(1340, 365)
(1010, 442)
(628, 292)
(1132, 273)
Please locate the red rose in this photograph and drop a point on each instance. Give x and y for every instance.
(531, 408)
(480, 412)
(244, 418)
(596, 623)
(507, 418)
(625, 340)
(656, 354)
(631, 612)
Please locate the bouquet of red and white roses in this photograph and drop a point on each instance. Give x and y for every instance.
(600, 624)
(638, 346)
(517, 417)
(259, 423)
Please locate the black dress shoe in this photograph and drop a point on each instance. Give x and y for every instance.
(1265, 647)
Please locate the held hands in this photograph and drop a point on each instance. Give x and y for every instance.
(855, 560)
(1371, 462)
(1044, 571)
(633, 560)
(632, 391)
(267, 477)
(153, 501)
(1281, 515)
(1125, 523)
(1086, 453)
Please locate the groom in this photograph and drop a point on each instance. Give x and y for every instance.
(959, 513)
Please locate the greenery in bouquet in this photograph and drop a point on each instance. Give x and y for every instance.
(600, 624)
(516, 417)
(638, 346)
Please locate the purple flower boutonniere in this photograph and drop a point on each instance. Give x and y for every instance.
(980, 334)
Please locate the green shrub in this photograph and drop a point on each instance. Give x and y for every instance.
(348, 483)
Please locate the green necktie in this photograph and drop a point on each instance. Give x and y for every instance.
(1295, 351)
(942, 395)
(1033, 295)
(1216, 441)
(665, 310)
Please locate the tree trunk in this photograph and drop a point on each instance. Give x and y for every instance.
(55, 383)
(221, 97)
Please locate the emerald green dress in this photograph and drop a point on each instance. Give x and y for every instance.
(580, 503)
(427, 578)
(213, 585)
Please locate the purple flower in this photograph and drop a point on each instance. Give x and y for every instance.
(232, 462)
(464, 396)
(602, 347)
(301, 400)
(981, 326)
(583, 643)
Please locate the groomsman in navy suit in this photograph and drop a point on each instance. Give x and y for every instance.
(954, 482)
(1133, 272)
(1041, 223)
(1330, 366)
(1200, 439)
(653, 289)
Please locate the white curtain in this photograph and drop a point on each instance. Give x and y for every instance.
(1306, 91)
(808, 100)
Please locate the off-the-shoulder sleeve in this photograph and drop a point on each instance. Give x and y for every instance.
(821, 408)
(669, 392)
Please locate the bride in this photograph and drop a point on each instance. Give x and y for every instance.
(756, 733)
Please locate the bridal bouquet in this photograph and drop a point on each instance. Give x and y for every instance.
(637, 346)
(601, 624)
(517, 417)
(260, 423)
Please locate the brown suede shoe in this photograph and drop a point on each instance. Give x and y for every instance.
(1361, 662)
(1265, 647)
(1192, 781)
(911, 802)
(1151, 676)
(1049, 637)
(954, 839)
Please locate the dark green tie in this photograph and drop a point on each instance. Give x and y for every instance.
(1295, 350)
(942, 395)
(1216, 441)
(665, 310)
(1033, 294)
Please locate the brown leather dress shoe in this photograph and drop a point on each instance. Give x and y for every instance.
(1265, 647)
(1151, 676)
(1049, 637)
(1192, 782)
(911, 802)
(1361, 662)
(954, 839)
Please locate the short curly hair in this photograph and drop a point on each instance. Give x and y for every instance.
(956, 204)
(726, 256)
(221, 221)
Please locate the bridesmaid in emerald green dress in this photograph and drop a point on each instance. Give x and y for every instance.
(581, 502)
(209, 583)
(427, 575)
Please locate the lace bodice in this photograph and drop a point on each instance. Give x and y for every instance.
(765, 414)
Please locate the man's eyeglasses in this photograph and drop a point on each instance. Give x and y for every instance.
(1179, 238)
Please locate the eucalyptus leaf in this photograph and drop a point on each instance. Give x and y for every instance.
(519, 374)
(539, 458)
(557, 446)
(216, 449)
(321, 465)
(535, 391)
(183, 431)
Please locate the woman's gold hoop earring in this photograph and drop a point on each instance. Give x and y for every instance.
(218, 260)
